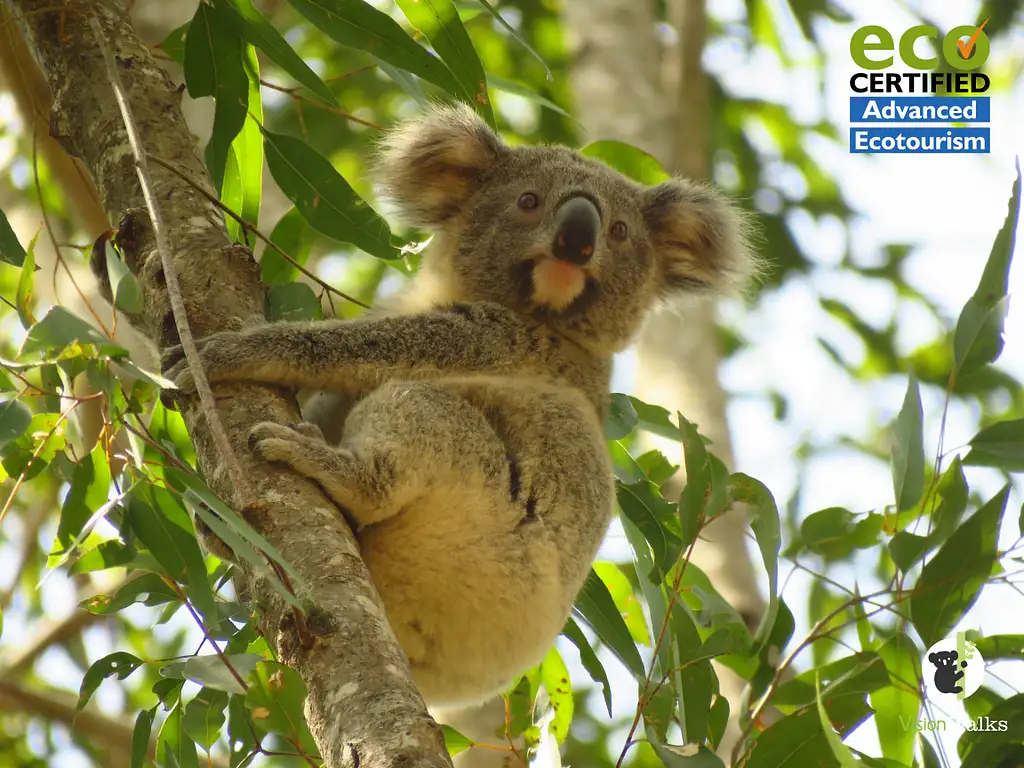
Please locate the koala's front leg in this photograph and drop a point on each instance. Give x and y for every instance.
(357, 355)
(364, 488)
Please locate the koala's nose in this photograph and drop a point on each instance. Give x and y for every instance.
(577, 223)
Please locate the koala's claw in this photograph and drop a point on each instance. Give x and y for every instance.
(277, 442)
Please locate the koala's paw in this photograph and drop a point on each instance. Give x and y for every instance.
(289, 444)
(220, 354)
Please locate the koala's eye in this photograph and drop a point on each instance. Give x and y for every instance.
(528, 201)
(620, 230)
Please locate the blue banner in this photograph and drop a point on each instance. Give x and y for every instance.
(914, 140)
(919, 109)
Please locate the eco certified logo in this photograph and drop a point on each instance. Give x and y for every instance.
(964, 49)
(953, 669)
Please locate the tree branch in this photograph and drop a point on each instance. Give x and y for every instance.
(362, 707)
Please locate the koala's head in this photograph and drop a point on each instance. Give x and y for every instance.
(943, 658)
(553, 234)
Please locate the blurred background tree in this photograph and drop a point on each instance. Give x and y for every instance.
(870, 261)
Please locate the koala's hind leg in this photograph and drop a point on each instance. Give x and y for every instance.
(400, 442)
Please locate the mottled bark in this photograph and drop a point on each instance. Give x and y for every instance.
(362, 708)
(653, 94)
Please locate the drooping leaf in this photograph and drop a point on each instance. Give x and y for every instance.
(324, 198)
(589, 660)
(255, 28)
(213, 67)
(595, 605)
(767, 531)
(643, 504)
(174, 745)
(694, 498)
(840, 751)
(140, 737)
(358, 24)
(907, 456)
(204, 717)
(148, 589)
(26, 284)
(900, 701)
(625, 601)
(555, 677)
(950, 581)
(439, 21)
(11, 251)
(124, 286)
(242, 189)
(978, 339)
(515, 35)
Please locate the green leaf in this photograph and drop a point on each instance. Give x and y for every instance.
(255, 28)
(124, 286)
(767, 531)
(439, 21)
(656, 518)
(621, 418)
(978, 339)
(213, 67)
(995, 647)
(625, 601)
(140, 737)
(359, 25)
(243, 177)
(148, 589)
(26, 283)
(950, 581)
(14, 420)
(10, 249)
(907, 456)
(211, 671)
(555, 677)
(173, 545)
(204, 717)
(627, 159)
(952, 489)
(454, 741)
(905, 549)
(105, 555)
(275, 698)
(900, 701)
(177, 749)
(984, 748)
(839, 751)
(324, 198)
(694, 498)
(1000, 445)
(596, 606)
(293, 301)
(516, 36)
(589, 660)
(829, 533)
(59, 329)
(292, 235)
(118, 664)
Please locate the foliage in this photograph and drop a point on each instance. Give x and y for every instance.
(127, 492)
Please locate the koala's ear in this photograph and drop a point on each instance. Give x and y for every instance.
(431, 165)
(700, 238)
(933, 658)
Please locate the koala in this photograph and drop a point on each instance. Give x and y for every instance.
(947, 676)
(460, 430)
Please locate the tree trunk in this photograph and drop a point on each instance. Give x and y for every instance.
(362, 707)
(632, 87)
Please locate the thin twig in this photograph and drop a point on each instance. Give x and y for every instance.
(250, 228)
(188, 345)
(320, 105)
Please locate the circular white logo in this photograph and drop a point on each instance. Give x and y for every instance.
(953, 669)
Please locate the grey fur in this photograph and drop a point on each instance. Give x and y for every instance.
(463, 424)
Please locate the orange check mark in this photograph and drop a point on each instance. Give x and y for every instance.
(968, 47)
